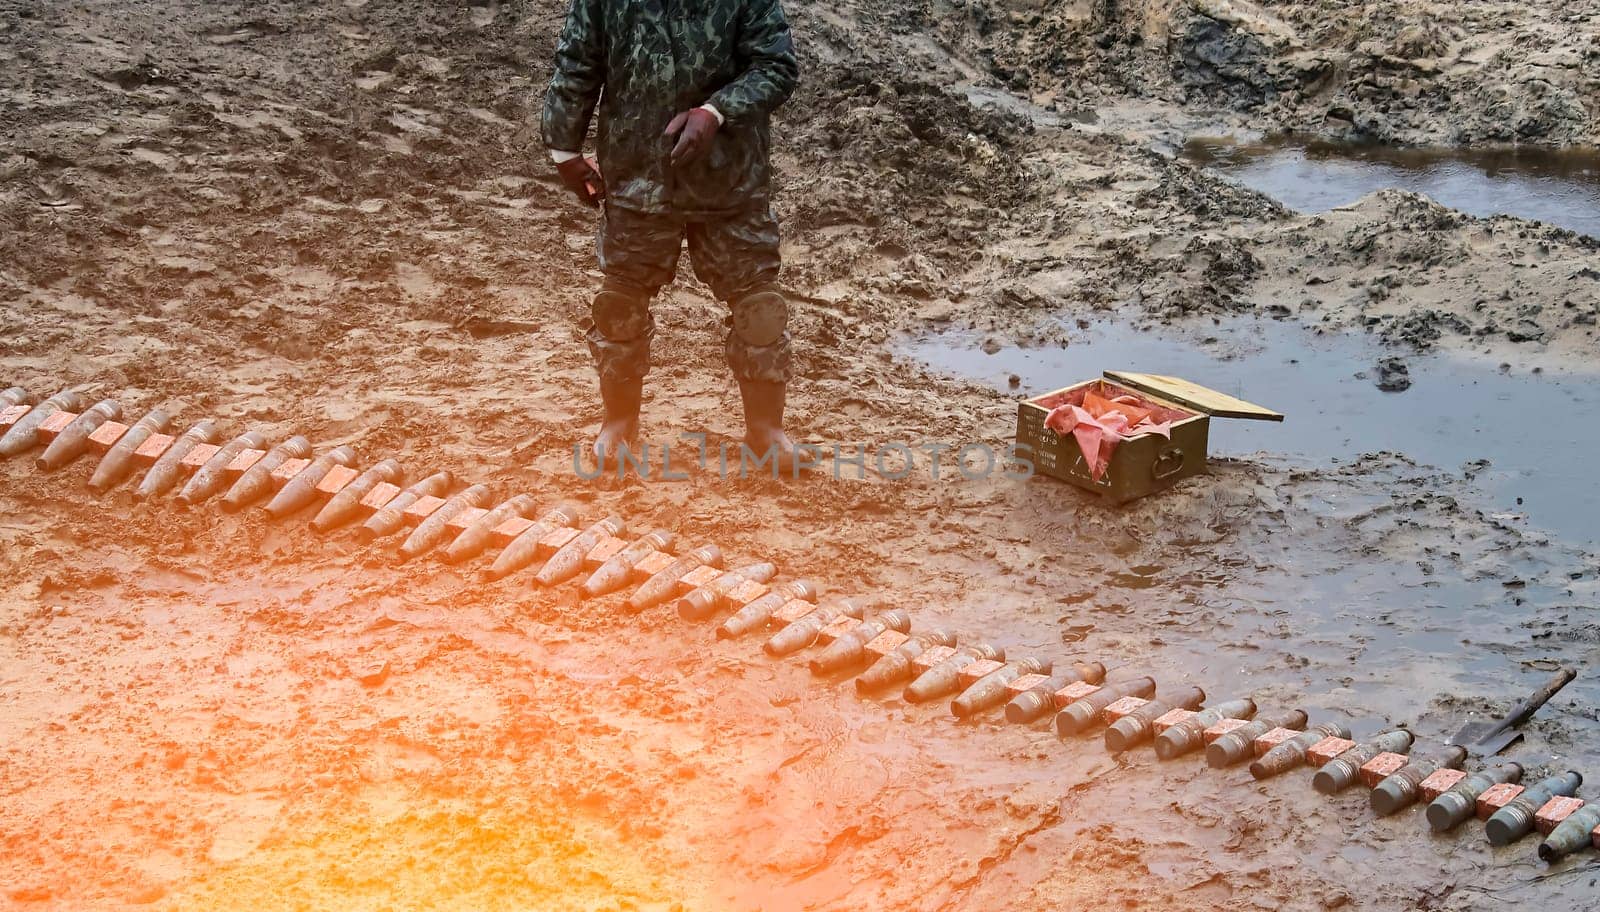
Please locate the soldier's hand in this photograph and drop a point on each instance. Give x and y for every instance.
(582, 177)
(694, 128)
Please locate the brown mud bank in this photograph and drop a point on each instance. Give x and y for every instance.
(334, 220)
(1417, 72)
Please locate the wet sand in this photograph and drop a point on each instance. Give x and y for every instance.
(335, 221)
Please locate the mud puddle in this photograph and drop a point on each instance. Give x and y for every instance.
(1455, 413)
(1559, 187)
(1364, 591)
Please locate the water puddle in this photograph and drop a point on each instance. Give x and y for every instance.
(1559, 187)
(1530, 428)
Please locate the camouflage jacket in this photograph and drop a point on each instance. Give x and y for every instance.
(643, 62)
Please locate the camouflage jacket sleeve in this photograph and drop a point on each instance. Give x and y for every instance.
(772, 70)
(580, 75)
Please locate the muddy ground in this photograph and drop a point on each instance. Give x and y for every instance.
(336, 220)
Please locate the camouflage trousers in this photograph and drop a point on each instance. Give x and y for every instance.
(736, 255)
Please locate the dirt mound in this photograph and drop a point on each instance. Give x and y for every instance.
(1412, 72)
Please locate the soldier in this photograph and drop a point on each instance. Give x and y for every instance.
(685, 89)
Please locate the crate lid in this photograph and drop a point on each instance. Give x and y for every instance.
(1193, 395)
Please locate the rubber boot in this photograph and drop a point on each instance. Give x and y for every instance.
(763, 422)
(620, 423)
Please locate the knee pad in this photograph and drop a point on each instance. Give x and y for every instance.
(760, 316)
(620, 315)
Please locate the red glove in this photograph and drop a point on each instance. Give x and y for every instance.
(695, 128)
(582, 177)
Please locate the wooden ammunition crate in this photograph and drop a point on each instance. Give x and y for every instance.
(1142, 464)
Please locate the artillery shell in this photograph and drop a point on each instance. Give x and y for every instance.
(615, 572)
(431, 531)
(1189, 734)
(803, 633)
(209, 478)
(851, 649)
(990, 691)
(1571, 835)
(256, 482)
(391, 517)
(895, 668)
(24, 435)
(1515, 820)
(524, 549)
(699, 604)
(1082, 714)
(660, 587)
(1235, 745)
(74, 438)
(302, 488)
(756, 614)
(1037, 702)
(618, 569)
(565, 563)
(16, 396)
(898, 667)
(1460, 802)
(1402, 789)
(164, 474)
(1292, 752)
(1139, 726)
(475, 538)
(118, 461)
(342, 507)
(1341, 772)
(944, 679)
